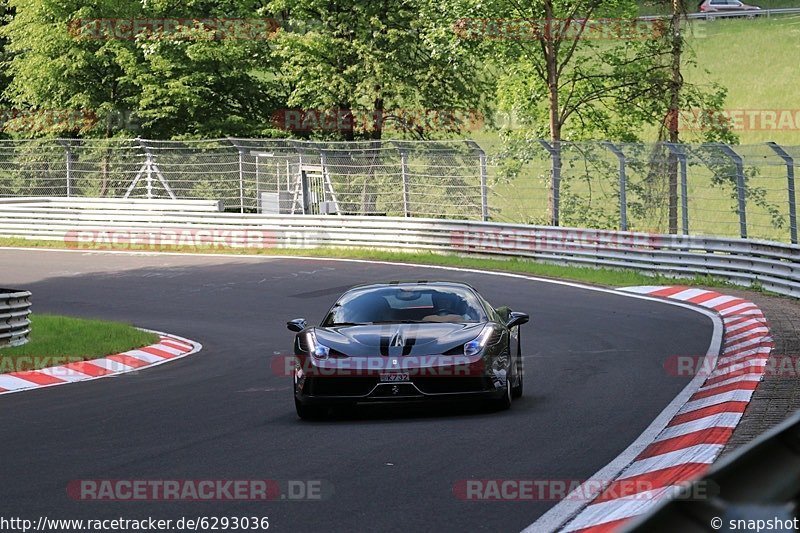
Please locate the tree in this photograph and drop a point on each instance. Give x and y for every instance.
(205, 79)
(589, 69)
(54, 72)
(132, 77)
(379, 62)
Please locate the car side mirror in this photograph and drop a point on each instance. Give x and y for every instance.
(298, 324)
(503, 312)
(515, 318)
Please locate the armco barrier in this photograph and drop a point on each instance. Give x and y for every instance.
(15, 326)
(774, 266)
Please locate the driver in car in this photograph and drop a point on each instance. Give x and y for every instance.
(448, 307)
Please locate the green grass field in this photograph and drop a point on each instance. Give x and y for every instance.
(56, 340)
(757, 61)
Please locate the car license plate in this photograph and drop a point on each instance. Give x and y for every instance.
(394, 377)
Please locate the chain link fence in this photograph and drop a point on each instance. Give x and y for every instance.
(712, 189)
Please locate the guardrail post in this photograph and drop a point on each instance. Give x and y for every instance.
(677, 150)
(404, 177)
(555, 173)
(790, 183)
(623, 182)
(741, 191)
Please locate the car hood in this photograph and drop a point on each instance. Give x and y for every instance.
(397, 339)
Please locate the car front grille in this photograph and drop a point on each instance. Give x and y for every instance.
(339, 386)
(452, 385)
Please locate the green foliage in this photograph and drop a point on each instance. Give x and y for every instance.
(186, 81)
(388, 63)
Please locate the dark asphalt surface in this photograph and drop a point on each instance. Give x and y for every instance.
(594, 382)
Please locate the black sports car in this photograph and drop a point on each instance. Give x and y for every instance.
(407, 341)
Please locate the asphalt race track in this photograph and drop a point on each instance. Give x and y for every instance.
(594, 381)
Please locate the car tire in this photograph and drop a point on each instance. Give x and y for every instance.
(309, 412)
(504, 403)
(516, 390)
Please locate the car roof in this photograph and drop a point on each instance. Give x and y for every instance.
(399, 283)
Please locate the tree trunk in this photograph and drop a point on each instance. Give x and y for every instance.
(346, 121)
(370, 196)
(551, 62)
(676, 85)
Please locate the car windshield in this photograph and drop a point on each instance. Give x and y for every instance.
(406, 303)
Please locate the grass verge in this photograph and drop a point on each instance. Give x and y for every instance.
(597, 276)
(56, 340)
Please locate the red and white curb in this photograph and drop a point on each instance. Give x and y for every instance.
(695, 435)
(169, 348)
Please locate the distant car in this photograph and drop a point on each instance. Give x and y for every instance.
(712, 8)
(408, 342)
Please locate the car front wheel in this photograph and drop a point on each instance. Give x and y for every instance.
(309, 412)
(504, 403)
(516, 390)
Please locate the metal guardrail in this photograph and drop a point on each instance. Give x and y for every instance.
(15, 326)
(771, 265)
(760, 480)
(732, 14)
(130, 204)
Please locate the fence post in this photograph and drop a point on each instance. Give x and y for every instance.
(484, 187)
(555, 173)
(476, 148)
(67, 144)
(69, 172)
(623, 181)
(740, 188)
(240, 151)
(790, 183)
(241, 183)
(306, 192)
(149, 181)
(677, 150)
(404, 177)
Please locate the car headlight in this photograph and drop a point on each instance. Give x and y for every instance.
(317, 349)
(488, 335)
